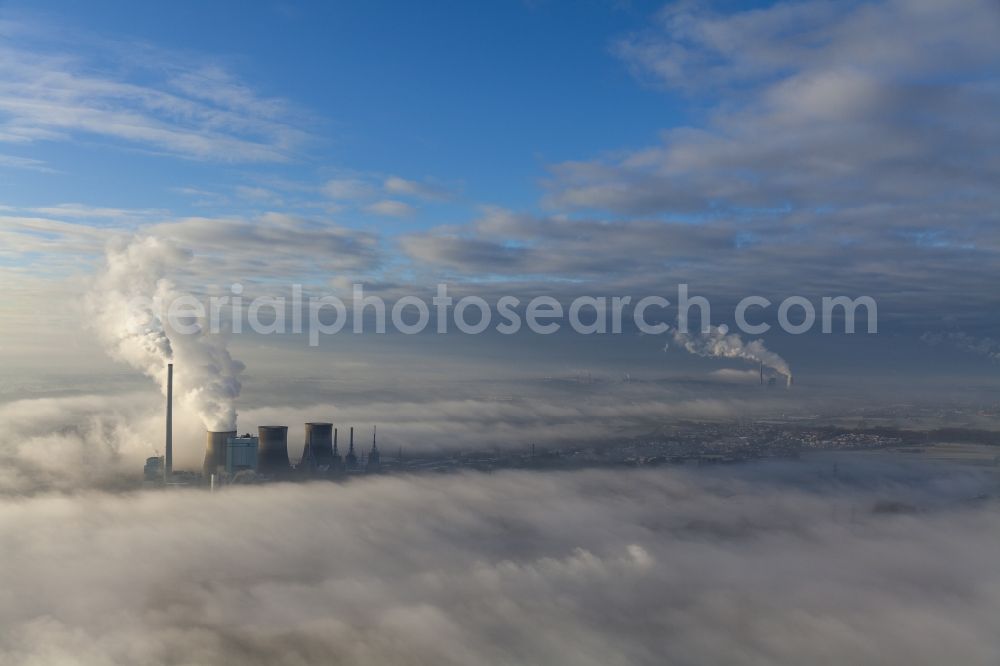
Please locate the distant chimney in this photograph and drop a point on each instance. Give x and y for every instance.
(168, 458)
(374, 457)
(351, 460)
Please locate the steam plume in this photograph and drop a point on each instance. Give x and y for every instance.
(718, 342)
(126, 304)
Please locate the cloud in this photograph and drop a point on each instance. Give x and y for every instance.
(348, 189)
(501, 241)
(824, 156)
(275, 245)
(390, 208)
(617, 567)
(401, 186)
(84, 211)
(364, 190)
(25, 163)
(68, 443)
(202, 197)
(824, 105)
(155, 100)
(736, 376)
(694, 48)
(272, 245)
(24, 236)
(258, 194)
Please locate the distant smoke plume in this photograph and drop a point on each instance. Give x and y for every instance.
(987, 347)
(719, 343)
(125, 306)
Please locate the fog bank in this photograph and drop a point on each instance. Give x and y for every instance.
(758, 565)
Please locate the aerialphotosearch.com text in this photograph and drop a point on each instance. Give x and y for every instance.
(318, 316)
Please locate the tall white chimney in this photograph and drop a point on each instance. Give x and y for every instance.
(168, 458)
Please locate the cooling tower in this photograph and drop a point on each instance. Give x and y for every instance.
(319, 439)
(215, 450)
(272, 449)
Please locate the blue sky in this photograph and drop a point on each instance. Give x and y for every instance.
(479, 98)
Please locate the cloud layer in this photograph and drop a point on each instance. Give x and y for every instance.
(829, 149)
(582, 568)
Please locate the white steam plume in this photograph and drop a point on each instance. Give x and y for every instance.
(126, 304)
(718, 342)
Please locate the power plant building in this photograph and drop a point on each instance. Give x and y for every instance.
(227, 454)
(153, 469)
(241, 453)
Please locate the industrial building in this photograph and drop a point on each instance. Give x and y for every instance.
(241, 453)
(153, 469)
(264, 456)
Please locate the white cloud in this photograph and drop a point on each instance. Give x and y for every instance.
(390, 208)
(84, 211)
(25, 163)
(403, 187)
(258, 194)
(826, 156)
(154, 100)
(348, 189)
(588, 569)
(813, 104)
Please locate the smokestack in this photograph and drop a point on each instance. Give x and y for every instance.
(272, 449)
(336, 453)
(374, 457)
(168, 456)
(761, 374)
(215, 450)
(351, 460)
(788, 383)
(319, 440)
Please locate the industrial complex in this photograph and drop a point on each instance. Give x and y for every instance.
(234, 458)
